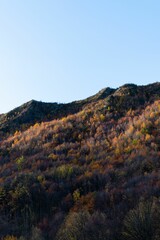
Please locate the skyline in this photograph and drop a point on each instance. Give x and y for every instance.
(152, 83)
(66, 51)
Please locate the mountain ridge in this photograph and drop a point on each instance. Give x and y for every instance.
(36, 111)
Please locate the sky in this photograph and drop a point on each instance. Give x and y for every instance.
(66, 50)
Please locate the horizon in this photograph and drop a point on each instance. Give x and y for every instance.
(67, 51)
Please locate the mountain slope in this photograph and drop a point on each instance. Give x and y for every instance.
(95, 163)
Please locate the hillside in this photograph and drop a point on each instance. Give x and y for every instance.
(33, 111)
(81, 170)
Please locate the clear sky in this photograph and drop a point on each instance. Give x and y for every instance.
(65, 50)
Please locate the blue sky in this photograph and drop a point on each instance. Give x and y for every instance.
(65, 50)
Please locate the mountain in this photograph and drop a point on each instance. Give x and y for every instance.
(82, 170)
(34, 111)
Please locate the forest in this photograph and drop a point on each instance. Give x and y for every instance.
(88, 170)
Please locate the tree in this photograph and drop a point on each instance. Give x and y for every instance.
(84, 226)
(73, 228)
(36, 234)
(139, 224)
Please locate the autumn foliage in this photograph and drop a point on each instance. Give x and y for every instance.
(84, 173)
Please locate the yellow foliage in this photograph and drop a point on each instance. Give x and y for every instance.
(15, 141)
(130, 130)
(143, 125)
(41, 178)
(36, 125)
(117, 152)
(148, 137)
(102, 117)
(95, 166)
(152, 115)
(53, 156)
(76, 195)
(63, 119)
(128, 149)
(17, 133)
(9, 238)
